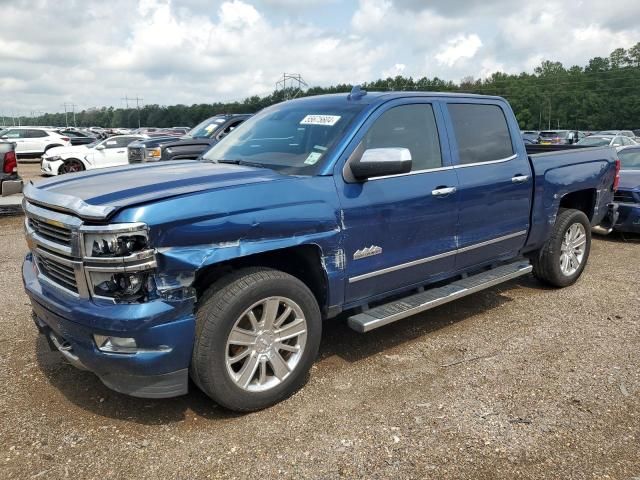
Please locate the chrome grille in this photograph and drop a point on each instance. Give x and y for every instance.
(57, 271)
(135, 154)
(54, 233)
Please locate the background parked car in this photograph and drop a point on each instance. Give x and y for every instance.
(34, 140)
(147, 149)
(531, 137)
(617, 141)
(628, 194)
(560, 137)
(202, 137)
(624, 133)
(110, 152)
(10, 182)
(76, 137)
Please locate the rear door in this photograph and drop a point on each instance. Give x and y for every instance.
(495, 184)
(397, 231)
(36, 140)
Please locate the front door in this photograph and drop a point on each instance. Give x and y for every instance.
(400, 230)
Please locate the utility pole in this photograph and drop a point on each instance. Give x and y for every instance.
(73, 109)
(549, 127)
(66, 122)
(138, 103)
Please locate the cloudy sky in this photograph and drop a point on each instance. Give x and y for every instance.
(93, 53)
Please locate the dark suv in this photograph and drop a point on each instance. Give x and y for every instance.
(202, 137)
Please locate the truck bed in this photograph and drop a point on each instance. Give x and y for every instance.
(563, 170)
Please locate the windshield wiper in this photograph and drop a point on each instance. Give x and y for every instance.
(240, 162)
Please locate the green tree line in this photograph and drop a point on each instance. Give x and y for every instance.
(603, 94)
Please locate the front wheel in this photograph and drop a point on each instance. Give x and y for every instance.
(257, 335)
(563, 257)
(71, 165)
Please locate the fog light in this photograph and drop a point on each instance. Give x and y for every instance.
(110, 344)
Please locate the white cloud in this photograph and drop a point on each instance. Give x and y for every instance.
(461, 47)
(193, 51)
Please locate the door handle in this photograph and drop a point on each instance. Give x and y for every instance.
(520, 179)
(443, 191)
(120, 151)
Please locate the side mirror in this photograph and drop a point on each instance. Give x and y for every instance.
(100, 147)
(380, 162)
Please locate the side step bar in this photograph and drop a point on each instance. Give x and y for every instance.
(419, 302)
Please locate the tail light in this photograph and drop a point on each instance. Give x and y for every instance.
(616, 180)
(10, 162)
(66, 139)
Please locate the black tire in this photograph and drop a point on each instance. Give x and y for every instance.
(546, 261)
(218, 311)
(71, 165)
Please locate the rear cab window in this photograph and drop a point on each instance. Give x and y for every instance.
(481, 131)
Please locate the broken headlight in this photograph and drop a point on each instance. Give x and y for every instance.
(123, 286)
(115, 241)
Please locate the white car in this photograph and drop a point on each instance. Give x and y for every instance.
(100, 154)
(34, 140)
(617, 141)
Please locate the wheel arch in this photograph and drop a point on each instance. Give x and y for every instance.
(305, 262)
(583, 200)
(53, 145)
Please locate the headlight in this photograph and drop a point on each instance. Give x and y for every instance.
(55, 158)
(122, 286)
(153, 152)
(114, 243)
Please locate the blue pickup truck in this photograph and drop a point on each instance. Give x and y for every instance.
(368, 206)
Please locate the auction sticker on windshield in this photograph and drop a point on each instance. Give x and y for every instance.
(326, 120)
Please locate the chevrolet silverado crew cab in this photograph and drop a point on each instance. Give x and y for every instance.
(371, 206)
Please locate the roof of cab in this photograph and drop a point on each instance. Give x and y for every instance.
(380, 97)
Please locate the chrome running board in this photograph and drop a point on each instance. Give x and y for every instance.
(420, 302)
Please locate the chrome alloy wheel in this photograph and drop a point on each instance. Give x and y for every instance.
(572, 249)
(266, 343)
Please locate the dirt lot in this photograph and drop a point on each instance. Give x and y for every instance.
(516, 382)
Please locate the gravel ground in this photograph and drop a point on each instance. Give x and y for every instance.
(519, 381)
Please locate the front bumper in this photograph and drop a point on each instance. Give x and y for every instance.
(628, 218)
(48, 167)
(163, 331)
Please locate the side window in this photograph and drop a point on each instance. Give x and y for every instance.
(229, 128)
(617, 141)
(36, 134)
(111, 143)
(408, 126)
(124, 141)
(481, 131)
(14, 134)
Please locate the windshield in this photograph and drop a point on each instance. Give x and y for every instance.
(595, 141)
(207, 128)
(290, 137)
(630, 159)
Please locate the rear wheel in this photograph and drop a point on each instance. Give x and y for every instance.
(71, 165)
(257, 335)
(562, 259)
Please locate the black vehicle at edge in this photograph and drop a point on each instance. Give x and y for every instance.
(202, 137)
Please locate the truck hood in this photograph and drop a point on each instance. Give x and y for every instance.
(629, 179)
(98, 194)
